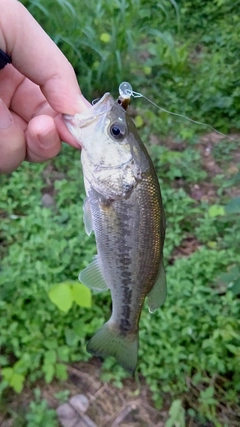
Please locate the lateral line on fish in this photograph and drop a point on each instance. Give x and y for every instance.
(126, 91)
(113, 167)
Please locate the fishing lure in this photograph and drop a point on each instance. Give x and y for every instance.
(126, 91)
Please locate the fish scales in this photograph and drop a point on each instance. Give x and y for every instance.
(128, 237)
(124, 209)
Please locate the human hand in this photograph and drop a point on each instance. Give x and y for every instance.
(35, 89)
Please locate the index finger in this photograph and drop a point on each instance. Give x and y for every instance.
(37, 57)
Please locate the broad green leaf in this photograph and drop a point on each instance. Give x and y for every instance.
(212, 244)
(63, 353)
(230, 276)
(3, 360)
(71, 338)
(22, 365)
(236, 287)
(216, 210)
(233, 349)
(3, 385)
(61, 296)
(50, 357)
(206, 394)
(233, 206)
(81, 295)
(52, 345)
(49, 371)
(147, 70)
(79, 327)
(138, 121)
(61, 371)
(17, 382)
(7, 373)
(176, 415)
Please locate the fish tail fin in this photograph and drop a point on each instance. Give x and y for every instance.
(109, 341)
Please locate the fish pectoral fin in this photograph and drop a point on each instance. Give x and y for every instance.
(92, 277)
(87, 217)
(109, 341)
(158, 293)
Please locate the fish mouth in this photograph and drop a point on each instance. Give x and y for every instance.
(96, 113)
(104, 104)
(100, 108)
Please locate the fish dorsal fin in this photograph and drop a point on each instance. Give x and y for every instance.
(87, 217)
(92, 277)
(158, 293)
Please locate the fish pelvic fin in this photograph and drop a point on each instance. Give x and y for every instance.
(158, 293)
(87, 217)
(92, 277)
(109, 341)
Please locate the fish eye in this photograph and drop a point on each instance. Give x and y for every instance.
(118, 130)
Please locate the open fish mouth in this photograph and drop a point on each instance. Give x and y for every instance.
(103, 106)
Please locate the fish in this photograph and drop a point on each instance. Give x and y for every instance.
(124, 208)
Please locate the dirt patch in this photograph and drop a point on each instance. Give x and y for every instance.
(130, 406)
(109, 406)
(220, 159)
(188, 245)
(220, 155)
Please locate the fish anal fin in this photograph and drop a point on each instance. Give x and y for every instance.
(109, 341)
(158, 293)
(92, 277)
(87, 217)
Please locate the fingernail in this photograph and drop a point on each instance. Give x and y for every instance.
(5, 116)
(48, 137)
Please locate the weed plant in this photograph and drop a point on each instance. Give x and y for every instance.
(184, 55)
(194, 338)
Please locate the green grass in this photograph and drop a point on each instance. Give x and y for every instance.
(184, 55)
(185, 58)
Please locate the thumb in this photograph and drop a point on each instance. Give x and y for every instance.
(12, 142)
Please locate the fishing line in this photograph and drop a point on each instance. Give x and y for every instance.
(126, 91)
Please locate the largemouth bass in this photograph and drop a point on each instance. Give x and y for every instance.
(124, 209)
